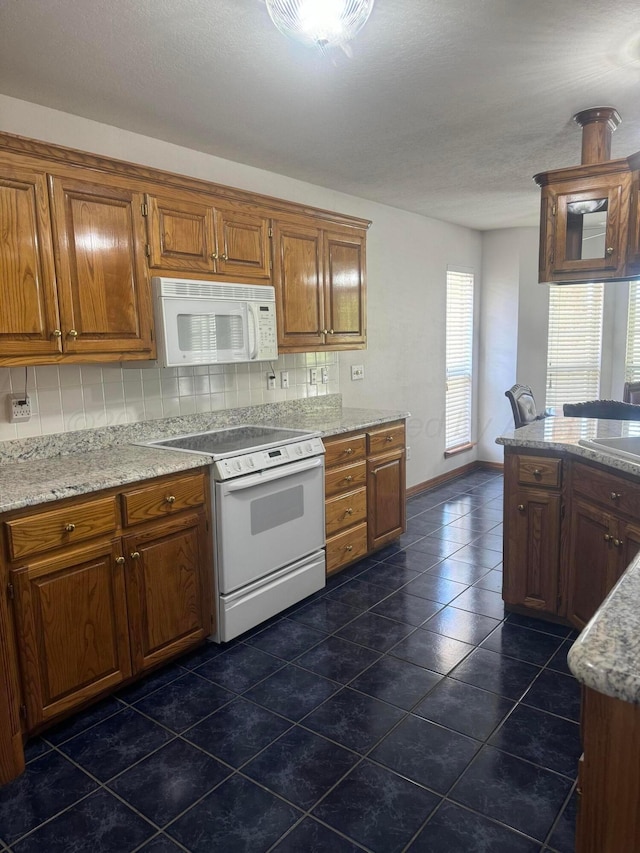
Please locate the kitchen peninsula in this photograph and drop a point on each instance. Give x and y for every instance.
(83, 514)
(571, 543)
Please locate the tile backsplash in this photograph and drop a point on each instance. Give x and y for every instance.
(73, 397)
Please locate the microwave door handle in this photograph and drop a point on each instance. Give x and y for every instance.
(253, 352)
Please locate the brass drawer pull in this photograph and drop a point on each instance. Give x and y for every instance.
(389, 438)
(609, 250)
(119, 561)
(170, 499)
(608, 537)
(348, 511)
(348, 547)
(349, 451)
(348, 478)
(615, 496)
(520, 507)
(135, 555)
(70, 527)
(537, 472)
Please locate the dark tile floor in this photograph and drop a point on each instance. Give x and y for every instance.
(397, 710)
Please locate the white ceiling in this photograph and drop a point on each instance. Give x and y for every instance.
(446, 108)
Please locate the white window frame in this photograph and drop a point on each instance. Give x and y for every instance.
(459, 359)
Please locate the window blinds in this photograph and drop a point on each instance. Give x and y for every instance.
(632, 360)
(574, 344)
(459, 359)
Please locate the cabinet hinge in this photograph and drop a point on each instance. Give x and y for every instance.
(270, 232)
(23, 711)
(553, 210)
(147, 250)
(145, 208)
(10, 592)
(562, 510)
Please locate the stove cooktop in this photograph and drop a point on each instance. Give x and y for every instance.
(229, 441)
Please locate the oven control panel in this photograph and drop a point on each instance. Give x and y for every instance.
(270, 457)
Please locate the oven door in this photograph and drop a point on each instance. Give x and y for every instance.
(266, 521)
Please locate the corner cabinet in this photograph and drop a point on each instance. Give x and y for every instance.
(532, 515)
(103, 588)
(365, 492)
(319, 275)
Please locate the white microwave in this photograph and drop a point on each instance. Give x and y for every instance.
(211, 322)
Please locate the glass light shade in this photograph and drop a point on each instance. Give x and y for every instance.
(320, 23)
(587, 206)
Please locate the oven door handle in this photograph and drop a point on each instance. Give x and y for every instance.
(279, 473)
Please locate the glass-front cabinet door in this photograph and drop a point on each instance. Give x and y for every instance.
(587, 229)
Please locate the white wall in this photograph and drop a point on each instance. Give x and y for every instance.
(407, 257)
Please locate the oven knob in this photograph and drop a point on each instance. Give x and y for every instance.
(250, 463)
(299, 449)
(237, 465)
(309, 447)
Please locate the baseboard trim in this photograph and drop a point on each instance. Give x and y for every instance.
(452, 475)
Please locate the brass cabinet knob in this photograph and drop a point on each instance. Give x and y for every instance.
(325, 331)
(331, 332)
(170, 499)
(72, 333)
(348, 547)
(135, 555)
(389, 438)
(615, 496)
(617, 543)
(214, 256)
(349, 511)
(348, 478)
(349, 451)
(608, 537)
(119, 561)
(56, 333)
(70, 527)
(609, 250)
(520, 507)
(225, 257)
(537, 472)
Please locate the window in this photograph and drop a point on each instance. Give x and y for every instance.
(459, 363)
(575, 344)
(632, 360)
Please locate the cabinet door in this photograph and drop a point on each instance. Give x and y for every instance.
(71, 622)
(629, 539)
(345, 303)
(585, 241)
(386, 499)
(105, 301)
(593, 560)
(28, 300)
(168, 589)
(299, 286)
(181, 234)
(244, 245)
(634, 232)
(532, 549)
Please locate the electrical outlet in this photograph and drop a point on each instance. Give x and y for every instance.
(271, 381)
(284, 378)
(19, 407)
(324, 375)
(357, 372)
(313, 376)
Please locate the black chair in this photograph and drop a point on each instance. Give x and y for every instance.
(631, 392)
(523, 405)
(607, 409)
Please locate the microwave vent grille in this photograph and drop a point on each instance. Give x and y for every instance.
(214, 290)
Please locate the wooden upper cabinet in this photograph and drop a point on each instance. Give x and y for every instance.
(243, 244)
(191, 234)
(345, 305)
(103, 286)
(299, 282)
(634, 226)
(181, 234)
(28, 298)
(319, 276)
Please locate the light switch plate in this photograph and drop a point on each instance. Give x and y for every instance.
(357, 372)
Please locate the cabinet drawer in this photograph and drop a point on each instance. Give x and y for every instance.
(386, 438)
(160, 499)
(606, 489)
(345, 479)
(539, 471)
(346, 547)
(345, 511)
(45, 531)
(339, 451)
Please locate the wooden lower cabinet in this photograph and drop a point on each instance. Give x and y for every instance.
(91, 616)
(365, 494)
(72, 629)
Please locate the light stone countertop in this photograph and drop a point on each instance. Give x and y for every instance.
(49, 468)
(606, 655)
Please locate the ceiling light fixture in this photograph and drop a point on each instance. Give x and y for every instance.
(320, 23)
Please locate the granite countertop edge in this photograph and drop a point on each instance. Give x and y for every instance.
(31, 482)
(606, 655)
